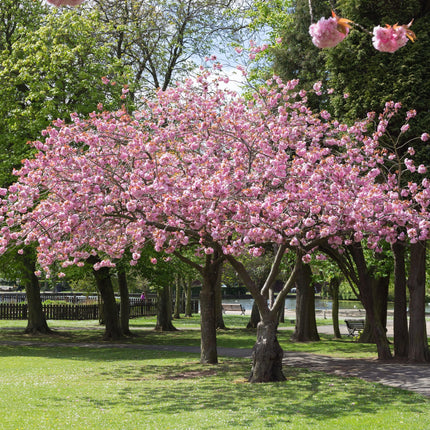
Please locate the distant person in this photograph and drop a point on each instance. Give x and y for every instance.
(142, 297)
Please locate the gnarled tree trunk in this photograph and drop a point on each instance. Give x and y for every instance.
(267, 354)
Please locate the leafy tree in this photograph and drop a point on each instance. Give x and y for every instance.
(163, 41)
(48, 73)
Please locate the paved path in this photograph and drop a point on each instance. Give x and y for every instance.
(412, 377)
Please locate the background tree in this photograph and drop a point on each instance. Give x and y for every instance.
(164, 41)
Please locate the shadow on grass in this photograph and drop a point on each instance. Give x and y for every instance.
(170, 390)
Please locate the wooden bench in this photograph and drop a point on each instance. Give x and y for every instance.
(233, 307)
(354, 326)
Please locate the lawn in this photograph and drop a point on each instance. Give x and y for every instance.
(237, 336)
(72, 387)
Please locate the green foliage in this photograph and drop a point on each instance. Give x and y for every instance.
(48, 73)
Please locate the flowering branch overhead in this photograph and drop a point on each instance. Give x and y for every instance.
(329, 32)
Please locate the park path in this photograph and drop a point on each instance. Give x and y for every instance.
(408, 376)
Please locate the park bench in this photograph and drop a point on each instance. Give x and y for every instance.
(354, 326)
(233, 307)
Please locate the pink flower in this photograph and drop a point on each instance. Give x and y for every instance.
(59, 3)
(306, 258)
(327, 33)
(391, 38)
(425, 137)
(153, 260)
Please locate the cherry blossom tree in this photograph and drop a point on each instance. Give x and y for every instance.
(204, 166)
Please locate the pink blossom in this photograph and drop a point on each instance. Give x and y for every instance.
(306, 258)
(59, 3)
(327, 33)
(425, 137)
(391, 38)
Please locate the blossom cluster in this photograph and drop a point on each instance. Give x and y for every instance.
(327, 33)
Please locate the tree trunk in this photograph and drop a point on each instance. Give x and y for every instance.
(187, 289)
(218, 304)
(306, 326)
(267, 354)
(281, 318)
(208, 353)
(255, 317)
(367, 299)
(125, 301)
(379, 289)
(401, 335)
(164, 310)
(334, 292)
(36, 323)
(177, 308)
(110, 308)
(418, 343)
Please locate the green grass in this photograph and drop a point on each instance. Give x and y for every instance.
(86, 388)
(71, 387)
(237, 336)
